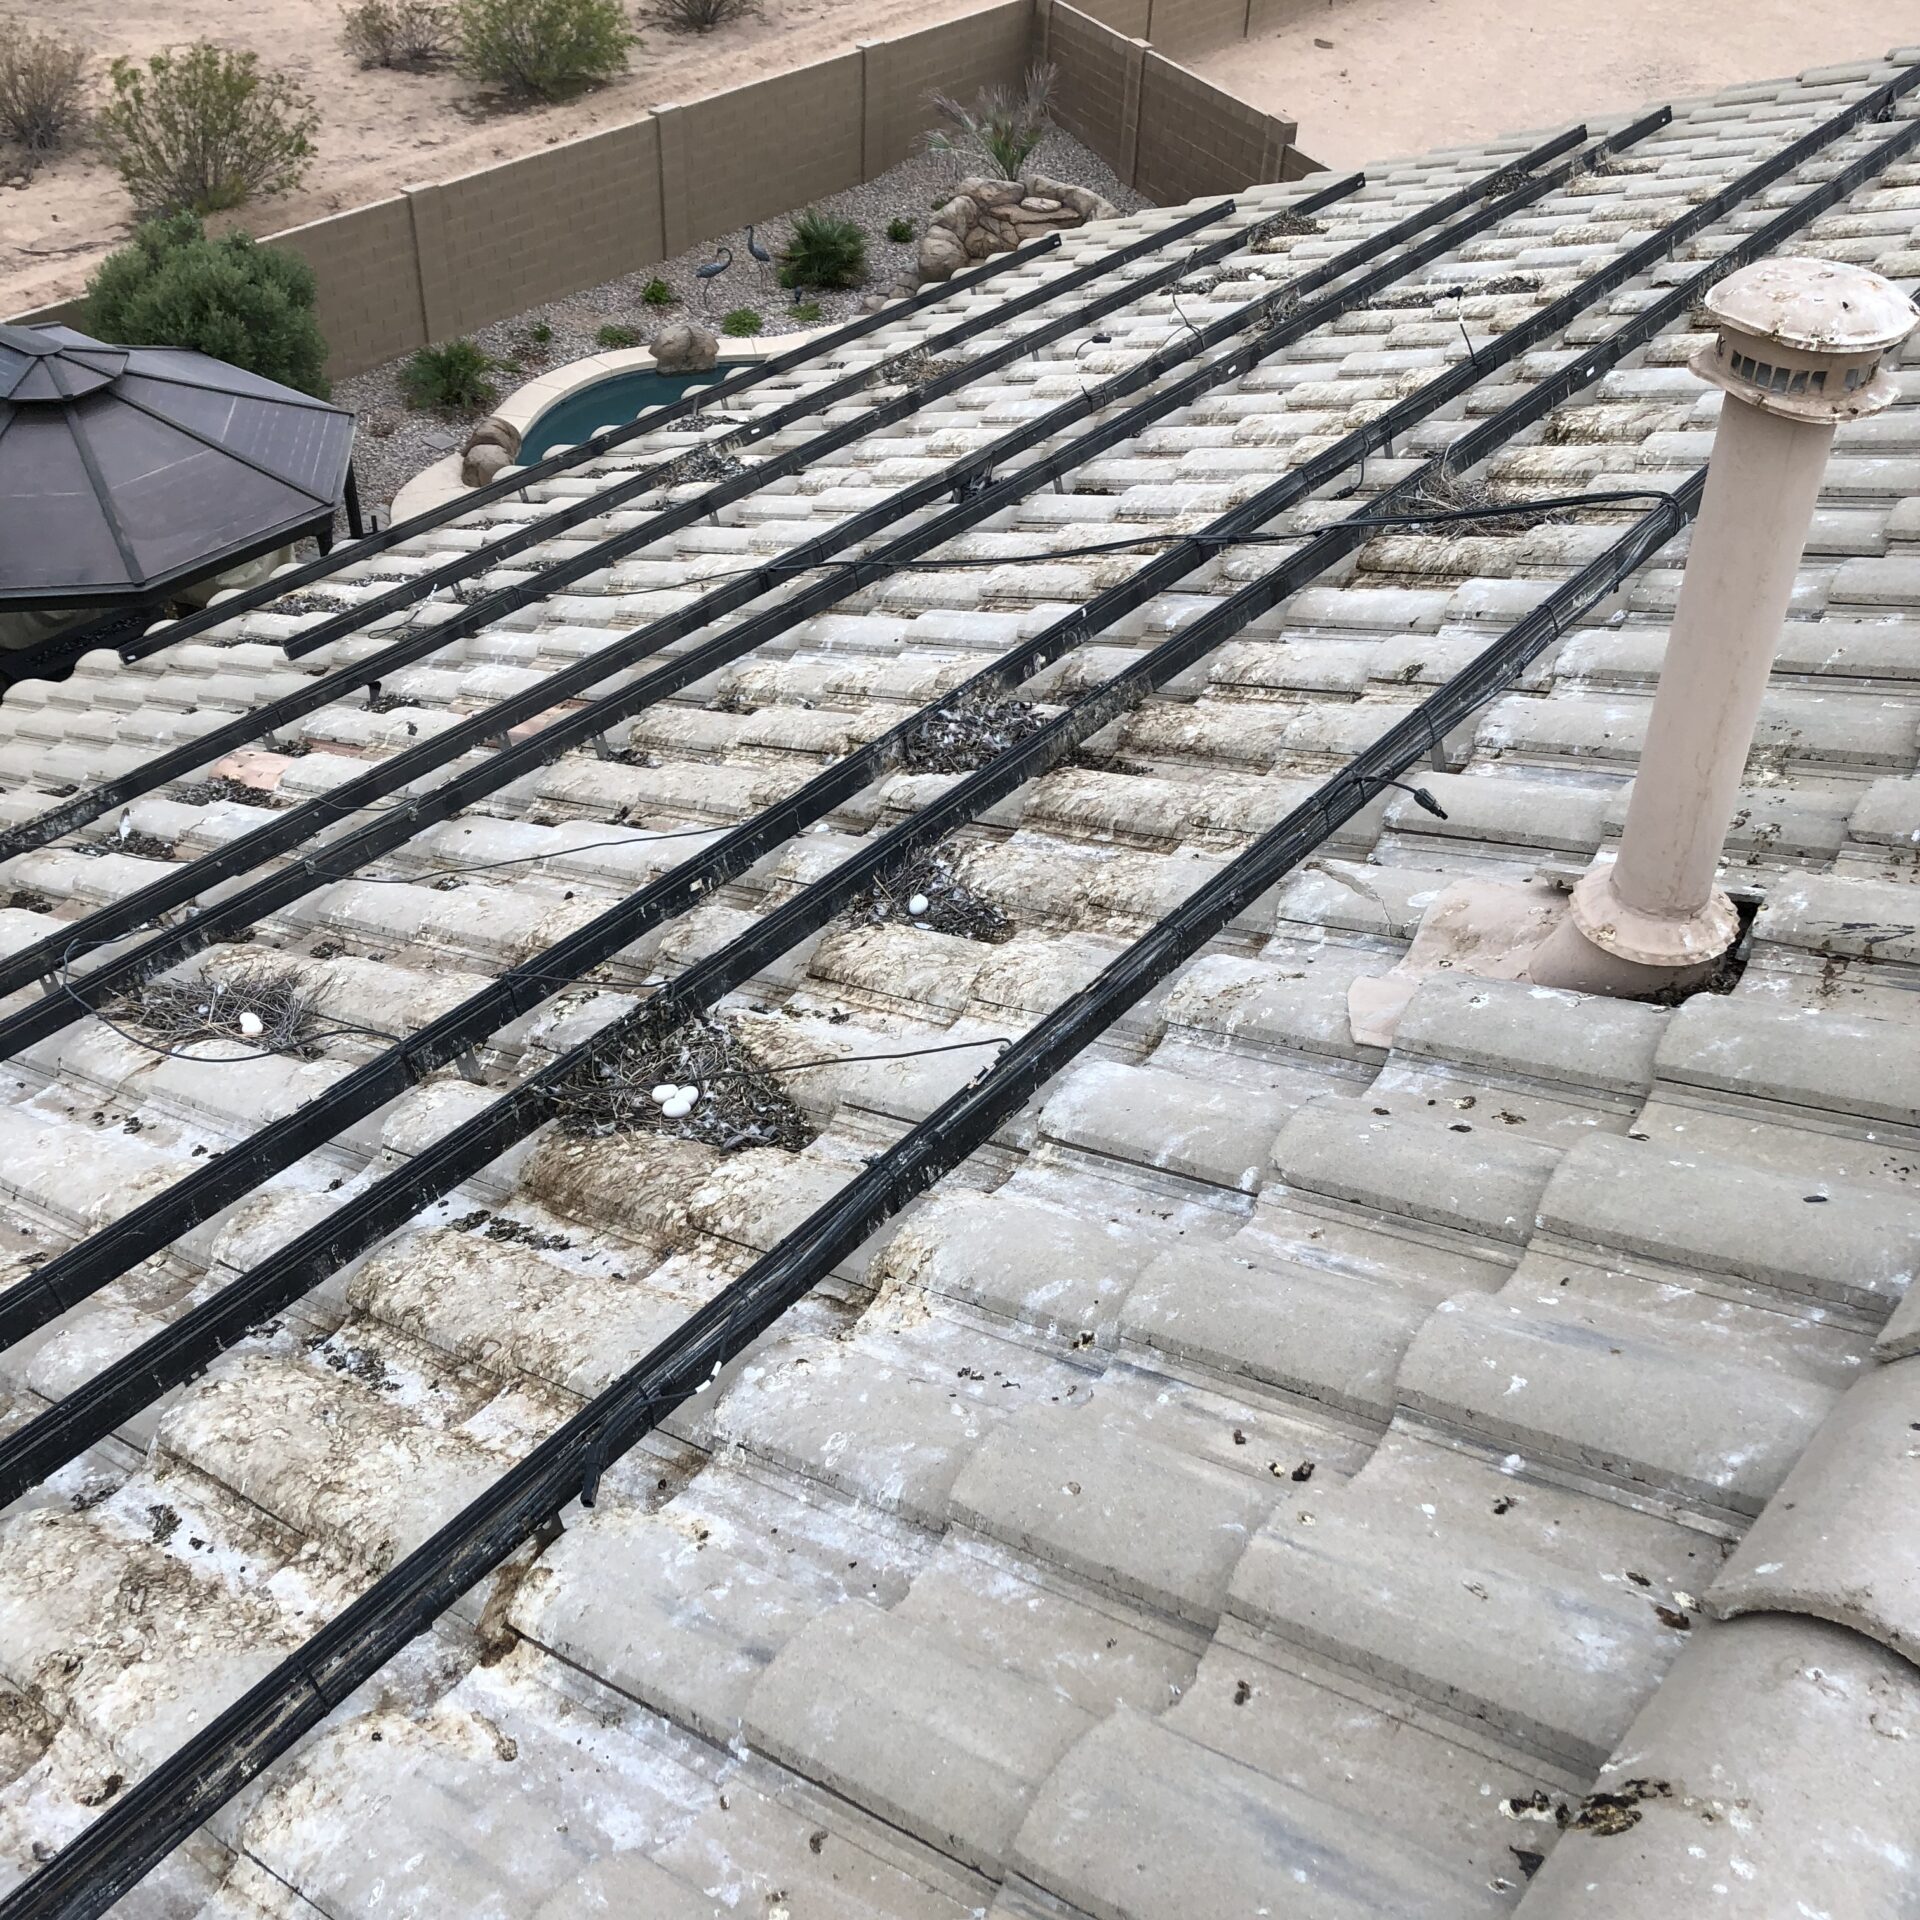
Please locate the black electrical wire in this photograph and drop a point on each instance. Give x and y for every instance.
(457, 1032)
(182, 885)
(92, 1870)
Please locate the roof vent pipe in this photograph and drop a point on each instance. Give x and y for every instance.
(1803, 345)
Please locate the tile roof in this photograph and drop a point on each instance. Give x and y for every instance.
(1274, 1473)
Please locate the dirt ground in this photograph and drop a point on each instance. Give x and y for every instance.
(1405, 75)
(379, 130)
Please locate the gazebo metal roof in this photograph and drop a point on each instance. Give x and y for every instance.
(127, 470)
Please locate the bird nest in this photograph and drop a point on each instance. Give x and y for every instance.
(260, 1008)
(1288, 225)
(926, 892)
(740, 1103)
(966, 734)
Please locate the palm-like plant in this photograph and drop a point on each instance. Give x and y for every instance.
(1002, 125)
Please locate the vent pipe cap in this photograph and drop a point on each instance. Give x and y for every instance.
(1807, 339)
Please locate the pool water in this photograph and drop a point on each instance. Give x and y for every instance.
(616, 398)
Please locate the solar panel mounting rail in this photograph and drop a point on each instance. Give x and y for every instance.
(91, 1411)
(978, 497)
(112, 1854)
(145, 1229)
(471, 618)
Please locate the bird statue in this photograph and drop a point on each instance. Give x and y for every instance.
(712, 271)
(760, 253)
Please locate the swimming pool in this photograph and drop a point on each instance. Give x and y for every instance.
(616, 398)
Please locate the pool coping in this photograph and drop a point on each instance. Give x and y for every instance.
(527, 402)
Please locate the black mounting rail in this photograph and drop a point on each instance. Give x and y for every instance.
(563, 460)
(476, 729)
(431, 637)
(153, 1816)
(83, 1269)
(978, 496)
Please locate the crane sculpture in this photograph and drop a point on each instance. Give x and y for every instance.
(758, 250)
(712, 271)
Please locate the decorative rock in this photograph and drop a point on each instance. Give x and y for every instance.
(684, 348)
(942, 253)
(495, 432)
(985, 217)
(483, 464)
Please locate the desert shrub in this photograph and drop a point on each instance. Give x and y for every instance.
(249, 305)
(396, 33)
(823, 250)
(806, 311)
(542, 49)
(452, 377)
(42, 84)
(611, 337)
(900, 230)
(700, 16)
(741, 322)
(200, 128)
(540, 334)
(656, 293)
(1002, 126)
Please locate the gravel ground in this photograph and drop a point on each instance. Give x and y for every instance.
(394, 443)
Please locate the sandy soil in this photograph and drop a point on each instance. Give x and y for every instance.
(380, 130)
(1405, 75)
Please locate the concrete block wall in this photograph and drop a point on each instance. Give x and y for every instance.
(367, 283)
(496, 242)
(1163, 130)
(990, 48)
(439, 260)
(756, 151)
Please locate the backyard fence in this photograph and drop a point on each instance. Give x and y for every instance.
(437, 261)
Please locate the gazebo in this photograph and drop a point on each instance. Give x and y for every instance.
(129, 473)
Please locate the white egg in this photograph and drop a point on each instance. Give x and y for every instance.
(662, 1094)
(677, 1108)
(251, 1026)
(918, 904)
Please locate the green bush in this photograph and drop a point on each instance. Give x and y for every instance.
(741, 322)
(411, 34)
(246, 304)
(41, 83)
(200, 128)
(656, 293)
(540, 334)
(900, 229)
(452, 377)
(806, 311)
(823, 250)
(1003, 127)
(542, 49)
(611, 337)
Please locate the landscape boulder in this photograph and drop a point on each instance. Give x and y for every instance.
(492, 445)
(684, 348)
(986, 217)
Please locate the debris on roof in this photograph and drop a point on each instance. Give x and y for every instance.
(877, 1344)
